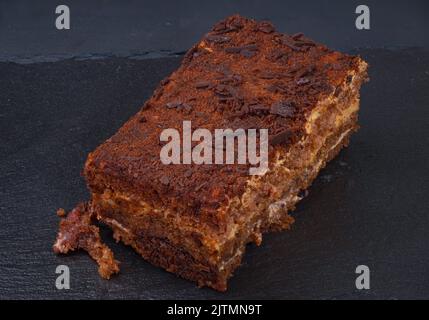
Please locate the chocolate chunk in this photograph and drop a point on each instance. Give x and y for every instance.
(283, 108)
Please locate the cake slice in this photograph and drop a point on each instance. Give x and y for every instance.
(195, 219)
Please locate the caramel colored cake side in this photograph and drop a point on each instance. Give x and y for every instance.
(195, 220)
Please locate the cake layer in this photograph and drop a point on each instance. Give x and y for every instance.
(184, 254)
(242, 74)
(196, 219)
(209, 259)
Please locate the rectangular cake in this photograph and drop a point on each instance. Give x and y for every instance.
(195, 220)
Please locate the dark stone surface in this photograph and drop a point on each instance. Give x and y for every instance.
(143, 28)
(369, 206)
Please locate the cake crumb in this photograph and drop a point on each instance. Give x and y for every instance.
(76, 231)
(61, 213)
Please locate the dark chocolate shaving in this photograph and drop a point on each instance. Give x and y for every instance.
(283, 108)
(289, 42)
(276, 88)
(247, 51)
(220, 26)
(172, 105)
(265, 27)
(259, 109)
(296, 36)
(224, 91)
(178, 105)
(202, 84)
(233, 50)
(304, 43)
(277, 54)
(232, 79)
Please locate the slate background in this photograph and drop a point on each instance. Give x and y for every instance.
(154, 28)
(369, 206)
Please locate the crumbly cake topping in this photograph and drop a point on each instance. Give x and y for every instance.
(242, 74)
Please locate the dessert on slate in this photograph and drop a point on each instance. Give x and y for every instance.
(195, 220)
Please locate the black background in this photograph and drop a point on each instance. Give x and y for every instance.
(154, 28)
(64, 92)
